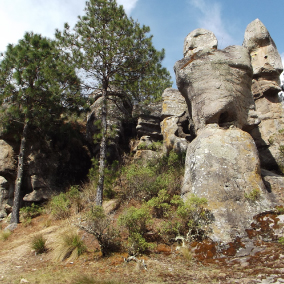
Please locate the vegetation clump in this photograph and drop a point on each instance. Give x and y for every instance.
(38, 244)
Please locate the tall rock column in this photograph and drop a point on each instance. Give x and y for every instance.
(222, 162)
(267, 67)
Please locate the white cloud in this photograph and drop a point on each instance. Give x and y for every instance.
(39, 16)
(128, 5)
(211, 19)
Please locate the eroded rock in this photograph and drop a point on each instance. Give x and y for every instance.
(225, 96)
(222, 165)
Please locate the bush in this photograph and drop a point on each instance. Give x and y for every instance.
(253, 195)
(136, 222)
(31, 211)
(59, 206)
(99, 225)
(160, 204)
(38, 244)
(69, 246)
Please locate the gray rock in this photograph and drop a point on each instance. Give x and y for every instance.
(197, 40)
(267, 66)
(223, 166)
(39, 195)
(225, 96)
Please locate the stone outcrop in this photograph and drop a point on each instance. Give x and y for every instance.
(176, 124)
(222, 162)
(267, 67)
(149, 119)
(225, 97)
(222, 165)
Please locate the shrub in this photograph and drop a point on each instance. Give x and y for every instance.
(69, 245)
(281, 241)
(59, 206)
(38, 244)
(31, 211)
(160, 204)
(136, 222)
(100, 226)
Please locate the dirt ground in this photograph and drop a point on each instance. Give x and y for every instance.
(20, 264)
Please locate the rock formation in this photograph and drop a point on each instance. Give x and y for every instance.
(222, 162)
(267, 67)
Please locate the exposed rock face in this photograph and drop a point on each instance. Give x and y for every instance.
(176, 124)
(7, 160)
(225, 97)
(222, 162)
(267, 67)
(149, 119)
(199, 40)
(222, 165)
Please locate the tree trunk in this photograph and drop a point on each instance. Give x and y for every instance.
(100, 187)
(18, 183)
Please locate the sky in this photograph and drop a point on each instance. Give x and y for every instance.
(170, 21)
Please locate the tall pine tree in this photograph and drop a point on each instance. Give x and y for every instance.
(111, 51)
(36, 88)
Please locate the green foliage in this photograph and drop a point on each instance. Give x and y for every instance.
(189, 219)
(143, 182)
(253, 195)
(281, 241)
(36, 85)
(111, 174)
(161, 204)
(31, 211)
(154, 146)
(136, 221)
(62, 205)
(279, 210)
(38, 244)
(100, 225)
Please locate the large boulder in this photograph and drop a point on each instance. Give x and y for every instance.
(199, 40)
(267, 67)
(222, 165)
(217, 86)
(7, 158)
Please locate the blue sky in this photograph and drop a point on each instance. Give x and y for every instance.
(170, 20)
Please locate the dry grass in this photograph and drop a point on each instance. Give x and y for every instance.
(5, 234)
(68, 245)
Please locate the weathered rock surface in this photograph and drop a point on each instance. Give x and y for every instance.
(267, 67)
(149, 119)
(199, 40)
(222, 165)
(225, 97)
(176, 125)
(7, 159)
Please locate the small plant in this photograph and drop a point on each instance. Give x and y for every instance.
(281, 241)
(279, 210)
(59, 206)
(27, 221)
(69, 246)
(281, 131)
(5, 234)
(31, 211)
(253, 195)
(100, 226)
(38, 244)
(281, 149)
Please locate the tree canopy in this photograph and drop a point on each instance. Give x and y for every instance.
(37, 88)
(112, 51)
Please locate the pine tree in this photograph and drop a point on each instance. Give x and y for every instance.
(111, 51)
(36, 88)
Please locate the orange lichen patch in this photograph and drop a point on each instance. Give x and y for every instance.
(233, 247)
(189, 61)
(205, 250)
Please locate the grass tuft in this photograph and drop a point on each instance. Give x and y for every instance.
(38, 244)
(5, 234)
